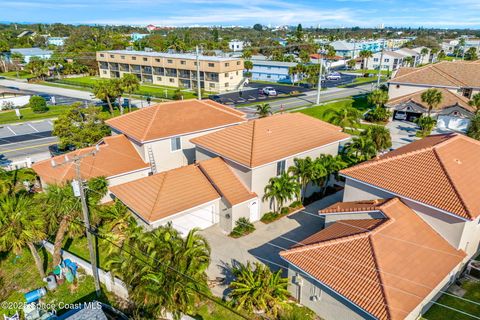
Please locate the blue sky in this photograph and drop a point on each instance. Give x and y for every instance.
(330, 13)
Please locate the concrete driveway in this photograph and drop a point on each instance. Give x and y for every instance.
(264, 244)
(402, 132)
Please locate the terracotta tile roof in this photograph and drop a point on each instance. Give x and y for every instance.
(166, 193)
(365, 205)
(269, 139)
(225, 181)
(449, 99)
(175, 118)
(116, 155)
(387, 269)
(441, 171)
(446, 73)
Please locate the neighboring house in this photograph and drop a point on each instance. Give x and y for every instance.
(27, 33)
(56, 41)
(29, 53)
(264, 148)
(161, 133)
(273, 71)
(281, 41)
(407, 52)
(116, 159)
(376, 261)
(453, 112)
(391, 60)
(195, 196)
(217, 74)
(352, 49)
(138, 36)
(436, 176)
(459, 77)
(237, 45)
(449, 46)
(427, 58)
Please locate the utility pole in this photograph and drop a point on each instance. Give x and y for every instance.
(76, 160)
(380, 69)
(319, 87)
(199, 89)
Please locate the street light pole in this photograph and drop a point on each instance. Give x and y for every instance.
(78, 176)
(199, 90)
(319, 87)
(380, 69)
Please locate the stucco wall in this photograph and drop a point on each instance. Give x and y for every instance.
(329, 306)
(331, 218)
(123, 179)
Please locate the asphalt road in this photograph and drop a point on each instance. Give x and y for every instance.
(38, 88)
(31, 130)
(35, 149)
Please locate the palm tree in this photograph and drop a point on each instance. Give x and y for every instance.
(461, 44)
(170, 276)
(332, 165)
(61, 207)
(432, 97)
(380, 136)
(13, 181)
(107, 90)
(424, 52)
(473, 130)
(302, 171)
(408, 61)
(365, 55)
(292, 72)
(21, 226)
(281, 189)
(344, 117)
(257, 288)
(264, 110)
(248, 65)
(362, 148)
(378, 98)
(129, 84)
(475, 102)
(426, 125)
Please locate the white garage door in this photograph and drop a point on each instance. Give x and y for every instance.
(452, 123)
(202, 218)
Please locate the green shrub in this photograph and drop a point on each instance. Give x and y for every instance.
(378, 114)
(243, 226)
(177, 95)
(38, 104)
(269, 217)
(284, 211)
(296, 204)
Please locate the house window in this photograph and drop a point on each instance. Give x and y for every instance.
(238, 63)
(211, 64)
(171, 80)
(280, 167)
(134, 58)
(375, 59)
(169, 61)
(227, 64)
(212, 85)
(104, 71)
(159, 78)
(183, 62)
(226, 84)
(397, 86)
(386, 60)
(122, 57)
(157, 60)
(226, 74)
(175, 144)
(102, 55)
(145, 59)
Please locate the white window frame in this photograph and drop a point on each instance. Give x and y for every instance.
(281, 167)
(177, 144)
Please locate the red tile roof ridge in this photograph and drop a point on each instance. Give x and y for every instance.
(152, 120)
(407, 154)
(434, 68)
(252, 143)
(365, 233)
(446, 75)
(378, 272)
(162, 183)
(443, 90)
(466, 208)
(410, 71)
(213, 104)
(375, 206)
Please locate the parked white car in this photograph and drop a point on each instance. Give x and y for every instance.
(270, 91)
(400, 115)
(334, 76)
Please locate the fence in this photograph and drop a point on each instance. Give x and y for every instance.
(112, 284)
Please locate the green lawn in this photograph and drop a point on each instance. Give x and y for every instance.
(320, 111)
(384, 72)
(145, 89)
(19, 276)
(437, 312)
(362, 80)
(27, 114)
(79, 247)
(19, 74)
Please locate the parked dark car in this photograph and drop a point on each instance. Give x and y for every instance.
(45, 96)
(215, 98)
(55, 150)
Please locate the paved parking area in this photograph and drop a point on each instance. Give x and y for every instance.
(402, 132)
(10, 133)
(265, 243)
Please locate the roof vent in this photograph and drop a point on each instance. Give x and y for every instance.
(457, 161)
(269, 131)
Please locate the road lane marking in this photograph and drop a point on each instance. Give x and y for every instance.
(25, 148)
(8, 127)
(32, 127)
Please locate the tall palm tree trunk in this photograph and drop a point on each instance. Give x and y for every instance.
(36, 257)
(109, 105)
(57, 246)
(129, 102)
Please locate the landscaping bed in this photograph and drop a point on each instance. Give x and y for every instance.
(270, 217)
(243, 226)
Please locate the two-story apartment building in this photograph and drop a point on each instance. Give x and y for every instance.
(264, 148)
(462, 78)
(274, 71)
(391, 60)
(217, 74)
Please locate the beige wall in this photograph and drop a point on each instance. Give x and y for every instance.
(124, 178)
